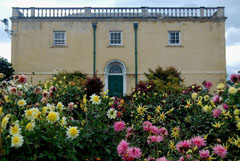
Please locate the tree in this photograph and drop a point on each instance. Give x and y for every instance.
(6, 69)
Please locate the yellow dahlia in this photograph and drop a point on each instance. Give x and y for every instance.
(17, 141)
(220, 86)
(60, 106)
(53, 117)
(15, 130)
(72, 132)
(21, 102)
(95, 99)
(232, 90)
(194, 95)
(29, 114)
(30, 126)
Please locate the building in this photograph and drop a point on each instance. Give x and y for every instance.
(120, 44)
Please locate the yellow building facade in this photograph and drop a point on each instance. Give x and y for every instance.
(119, 44)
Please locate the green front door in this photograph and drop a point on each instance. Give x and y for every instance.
(115, 85)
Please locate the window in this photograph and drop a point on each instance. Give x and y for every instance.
(174, 38)
(115, 69)
(59, 38)
(115, 38)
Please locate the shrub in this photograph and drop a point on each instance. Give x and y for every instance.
(6, 69)
(74, 76)
(165, 80)
(94, 86)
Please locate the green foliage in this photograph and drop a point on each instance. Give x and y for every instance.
(165, 80)
(74, 76)
(6, 69)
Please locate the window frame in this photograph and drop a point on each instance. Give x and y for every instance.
(56, 44)
(169, 38)
(121, 39)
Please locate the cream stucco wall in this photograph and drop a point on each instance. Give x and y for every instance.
(201, 55)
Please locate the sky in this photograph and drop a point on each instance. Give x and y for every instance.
(232, 31)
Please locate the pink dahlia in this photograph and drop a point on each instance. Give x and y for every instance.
(147, 125)
(162, 159)
(122, 147)
(37, 90)
(44, 100)
(208, 85)
(163, 131)
(204, 154)
(52, 88)
(225, 106)
(182, 158)
(154, 129)
(134, 153)
(156, 139)
(22, 79)
(220, 151)
(198, 141)
(182, 146)
(45, 94)
(234, 78)
(129, 132)
(13, 90)
(216, 112)
(119, 126)
(216, 98)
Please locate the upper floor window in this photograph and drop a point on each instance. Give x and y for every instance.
(116, 38)
(174, 38)
(59, 38)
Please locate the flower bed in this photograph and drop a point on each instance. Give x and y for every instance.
(56, 121)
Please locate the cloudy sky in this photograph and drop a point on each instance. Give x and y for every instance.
(231, 11)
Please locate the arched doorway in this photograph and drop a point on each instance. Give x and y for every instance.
(115, 78)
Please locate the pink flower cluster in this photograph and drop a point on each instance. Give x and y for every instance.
(47, 94)
(119, 126)
(204, 154)
(159, 133)
(220, 151)
(128, 153)
(22, 79)
(207, 85)
(216, 99)
(196, 141)
(235, 78)
(216, 112)
(148, 127)
(182, 158)
(156, 139)
(15, 91)
(199, 142)
(158, 159)
(183, 146)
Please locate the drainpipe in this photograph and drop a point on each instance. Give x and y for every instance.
(94, 25)
(135, 25)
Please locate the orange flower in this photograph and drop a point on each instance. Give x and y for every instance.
(122, 101)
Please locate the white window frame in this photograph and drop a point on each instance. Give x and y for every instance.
(110, 32)
(169, 38)
(59, 44)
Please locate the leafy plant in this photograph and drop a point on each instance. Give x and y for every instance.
(6, 69)
(94, 85)
(165, 80)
